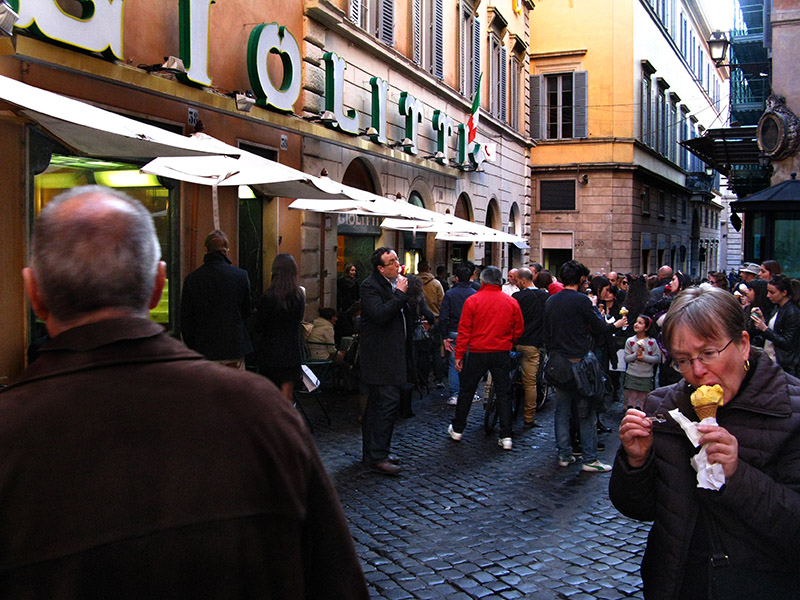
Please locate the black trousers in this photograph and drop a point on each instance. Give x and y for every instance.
(377, 423)
(475, 366)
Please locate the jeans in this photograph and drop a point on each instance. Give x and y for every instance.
(564, 399)
(475, 366)
(377, 423)
(530, 368)
(453, 374)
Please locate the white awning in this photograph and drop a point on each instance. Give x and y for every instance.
(366, 203)
(454, 229)
(266, 176)
(93, 131)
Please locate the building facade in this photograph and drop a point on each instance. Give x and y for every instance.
(378, 94)
(613, 95)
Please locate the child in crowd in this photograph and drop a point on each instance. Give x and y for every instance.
(642, 354)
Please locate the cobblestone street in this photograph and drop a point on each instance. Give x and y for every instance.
(469, 520)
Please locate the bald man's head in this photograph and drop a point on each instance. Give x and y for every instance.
(94, 248)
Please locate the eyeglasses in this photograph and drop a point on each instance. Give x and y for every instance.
(393, 261)
(707, 357)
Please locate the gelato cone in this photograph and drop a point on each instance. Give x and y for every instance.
(706, 399)
(623, 312)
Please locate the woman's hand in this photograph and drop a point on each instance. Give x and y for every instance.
(722, 448)
(758, 321)
(636, 435)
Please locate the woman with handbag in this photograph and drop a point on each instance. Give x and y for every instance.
(751, 525)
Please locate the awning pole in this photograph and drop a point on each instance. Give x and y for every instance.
(215, 205)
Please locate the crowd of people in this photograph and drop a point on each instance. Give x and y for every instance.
(233, 482)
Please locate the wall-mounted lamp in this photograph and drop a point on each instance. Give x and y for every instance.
(439, 156)
(405, 143)
(369, 132)
(7, 19)
(327, 117)
(171, 64)
(8, 42)
(718, 48)
(244, 102)
(584, 179)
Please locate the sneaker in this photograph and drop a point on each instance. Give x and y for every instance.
(596, 467)
(454, 435)
(506, 443)
(567, 462)
(452, 400)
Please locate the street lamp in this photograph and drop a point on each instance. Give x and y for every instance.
(718, 48)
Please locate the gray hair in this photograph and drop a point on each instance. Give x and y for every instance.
(492, 276)
(99, 252)
(708, 312)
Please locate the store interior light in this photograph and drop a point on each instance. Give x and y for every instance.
(125, 179)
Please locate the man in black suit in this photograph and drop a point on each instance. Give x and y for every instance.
(385, 346)
(215, 304)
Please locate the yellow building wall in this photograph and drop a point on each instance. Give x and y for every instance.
(593, 36)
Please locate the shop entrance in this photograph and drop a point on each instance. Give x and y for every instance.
(357, 235)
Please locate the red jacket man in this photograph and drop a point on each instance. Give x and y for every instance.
(491, 322)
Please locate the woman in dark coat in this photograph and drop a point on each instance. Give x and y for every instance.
(277, 322)
(347, 288)
(757, 305)
(782, 330)
(754, 517)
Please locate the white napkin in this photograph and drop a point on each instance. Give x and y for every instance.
(709, 476)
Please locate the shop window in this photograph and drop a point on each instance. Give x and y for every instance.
(557, 195)
(561, 111)
(65, 172)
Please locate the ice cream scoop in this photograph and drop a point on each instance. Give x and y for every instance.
(623, 312)
(706, 399)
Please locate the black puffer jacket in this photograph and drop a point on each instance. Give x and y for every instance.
(758, 510)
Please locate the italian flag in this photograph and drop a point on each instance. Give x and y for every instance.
(472, 123)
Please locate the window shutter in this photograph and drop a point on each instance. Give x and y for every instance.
(580, 83)
(355, 11)
(476, 53)
(536, 106)
(438, 39)
(503, 85)
(417, 33)
(386, 22)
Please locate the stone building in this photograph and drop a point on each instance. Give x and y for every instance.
(613, 95)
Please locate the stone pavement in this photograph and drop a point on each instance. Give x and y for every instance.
(469, 520)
